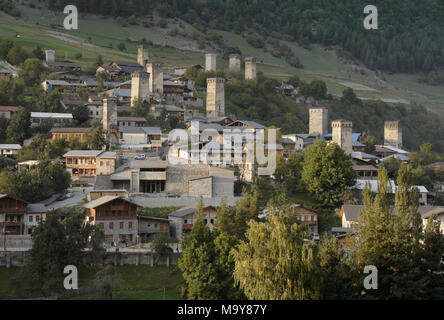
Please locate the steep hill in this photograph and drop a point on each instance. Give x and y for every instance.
(174, 42)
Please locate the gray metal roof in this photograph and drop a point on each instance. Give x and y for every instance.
(37, 208)
(104, 200)
(83, 153)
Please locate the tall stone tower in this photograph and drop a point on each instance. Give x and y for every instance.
(50, 55)
(393, 134)
(342, 134)
(142, 55)
(234, 64)
(250, 68)
(140, 86)
(318, 121)
(156, 77)
(215, 97)
(210, 62)
(109, 113)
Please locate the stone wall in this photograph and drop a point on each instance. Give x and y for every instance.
(136, 257)
(178, 176)
(201, 187)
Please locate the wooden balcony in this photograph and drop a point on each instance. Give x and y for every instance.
(187, 226)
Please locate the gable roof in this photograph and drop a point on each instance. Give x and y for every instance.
(104, 200)
(186, 211)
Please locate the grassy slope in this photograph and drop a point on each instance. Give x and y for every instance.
(136, 283)
(318, 63)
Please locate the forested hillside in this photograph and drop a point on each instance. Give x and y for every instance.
(410, 37)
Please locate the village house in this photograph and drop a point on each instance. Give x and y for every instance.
(61, 85)
(171, 110)
(149, 226)
(349, 215)
(6, 74)
(9, 150)
(135, 137)
(131, 122)
(116, 216)
(361, 184)
(89, 164)
(306, 216)
(8, 111)
(17, 217)
(80, 134)
(182, 221)
(56, 119)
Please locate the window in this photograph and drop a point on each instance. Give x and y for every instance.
(121, 225)
(212, 221)
(155, 226)
(130, 225)
(37, 218)
(30, 218)
(102, 225)
(186, 221)
(205, 221)
(111, 225)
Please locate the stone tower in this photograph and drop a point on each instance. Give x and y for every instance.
(215, 97)
(234, 64)
(318, 121)
(210, 62)
(140, 86)
(142, 55)
(156, 77)
(392, 134)
(250, 68)
(109, 113)
(342, 134)
(50, 55)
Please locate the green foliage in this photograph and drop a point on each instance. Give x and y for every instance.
(327, 172)
(160, 245)
(392, 239)
(274, 263)
(58, 241)
(37, 183)
(206, 264)
(19, 126)
(32, 71)
(96, 138)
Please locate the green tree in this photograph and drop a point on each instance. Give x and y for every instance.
(96, 138)
(18, 127)
(58, 241)
(327, 172)
(274, 263)
(160, 245)
(206, 265)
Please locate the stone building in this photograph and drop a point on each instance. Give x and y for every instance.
(90, 163)
(109, 115)
(149, 226)
(215, 97)
(140, 86)
(182, 221)
(234, 66)
(318, 121)
(393, 134)
(342, 135)
(17, 217)
(142, 55)
(116, 216)
(50, 56)
(210, 62)
(250, 68)
(156, 78)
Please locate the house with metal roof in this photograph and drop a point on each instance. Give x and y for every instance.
(182, 221)
(116, 216)
(9, 150)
